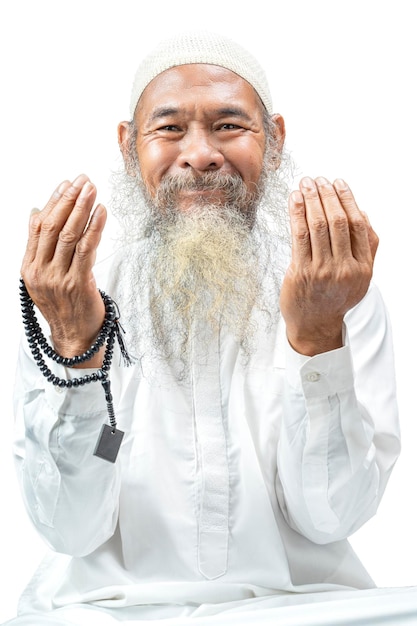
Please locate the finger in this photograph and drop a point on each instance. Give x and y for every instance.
(52, 202)
(53, 223)
(372, 236)
(337, 220)
(86, 249)
(62, 200)
(33, 238)
(300, 234)
(55, 198)
(316, 220)
(358, 225)
(36, 219)
(74, 227)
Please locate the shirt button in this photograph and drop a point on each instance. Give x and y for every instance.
(313, 377)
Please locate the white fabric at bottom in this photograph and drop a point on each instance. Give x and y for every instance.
(373, 607)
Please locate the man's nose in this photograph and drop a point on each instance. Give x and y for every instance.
(198, 150)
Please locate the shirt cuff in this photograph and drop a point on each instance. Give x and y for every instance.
(73, 401)
(320, 375)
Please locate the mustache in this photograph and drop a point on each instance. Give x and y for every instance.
(232, 186)
(207, 181)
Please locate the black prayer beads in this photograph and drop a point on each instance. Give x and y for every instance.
(109, 331)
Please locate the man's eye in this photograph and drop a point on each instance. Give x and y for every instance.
(229, 126)
(169, 127)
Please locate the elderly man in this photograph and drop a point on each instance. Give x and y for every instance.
(256, 426)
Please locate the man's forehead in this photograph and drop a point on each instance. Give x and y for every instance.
(198, 85)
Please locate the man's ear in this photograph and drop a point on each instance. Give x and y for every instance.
(279, 133)
(123, 136)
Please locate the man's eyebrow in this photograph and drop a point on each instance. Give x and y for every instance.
(162, 112)
(233, 112)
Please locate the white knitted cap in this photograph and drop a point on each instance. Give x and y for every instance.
(200, 47)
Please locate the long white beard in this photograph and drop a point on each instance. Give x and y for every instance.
(213, 266)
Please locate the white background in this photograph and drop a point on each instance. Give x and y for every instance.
(343, 75)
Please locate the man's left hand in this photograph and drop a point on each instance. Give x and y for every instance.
(333, 252)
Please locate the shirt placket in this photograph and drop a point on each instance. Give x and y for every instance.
(213, 527)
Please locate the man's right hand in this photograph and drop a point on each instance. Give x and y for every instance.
(58, 266)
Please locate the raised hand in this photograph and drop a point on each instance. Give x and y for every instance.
(58, 262)
(333, 251)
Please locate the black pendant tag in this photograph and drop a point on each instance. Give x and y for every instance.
(108, 443)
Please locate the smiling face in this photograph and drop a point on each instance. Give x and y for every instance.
(199, 118)
(200, 194)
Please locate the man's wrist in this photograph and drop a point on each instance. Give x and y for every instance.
(315, 343)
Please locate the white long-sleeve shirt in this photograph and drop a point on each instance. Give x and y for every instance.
(244, 482)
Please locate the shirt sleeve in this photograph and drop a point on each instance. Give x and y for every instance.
(340, 435)
(70, 494)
